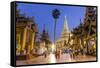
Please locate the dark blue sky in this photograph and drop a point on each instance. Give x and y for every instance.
(43, 15)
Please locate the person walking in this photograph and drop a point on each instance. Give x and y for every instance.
(45, 52)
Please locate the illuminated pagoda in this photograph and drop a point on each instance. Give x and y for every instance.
(25, 35)
(90, 29)
(84, 35)
(44, 39)
(65, 35)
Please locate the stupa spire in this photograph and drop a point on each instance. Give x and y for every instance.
(65, 27)
(66, 24)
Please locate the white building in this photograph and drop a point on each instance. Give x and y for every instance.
(64, 37)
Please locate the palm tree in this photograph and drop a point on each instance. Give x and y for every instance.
(55, 14)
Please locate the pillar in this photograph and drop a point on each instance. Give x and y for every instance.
(32, 41)
(24, 40)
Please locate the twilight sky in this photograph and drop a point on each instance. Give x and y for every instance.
(43, 15)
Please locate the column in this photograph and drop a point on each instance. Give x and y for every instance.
(32, 41)
(24, 40)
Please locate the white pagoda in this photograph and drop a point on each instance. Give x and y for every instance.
(65, 35)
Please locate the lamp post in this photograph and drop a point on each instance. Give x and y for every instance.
(55, 14)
